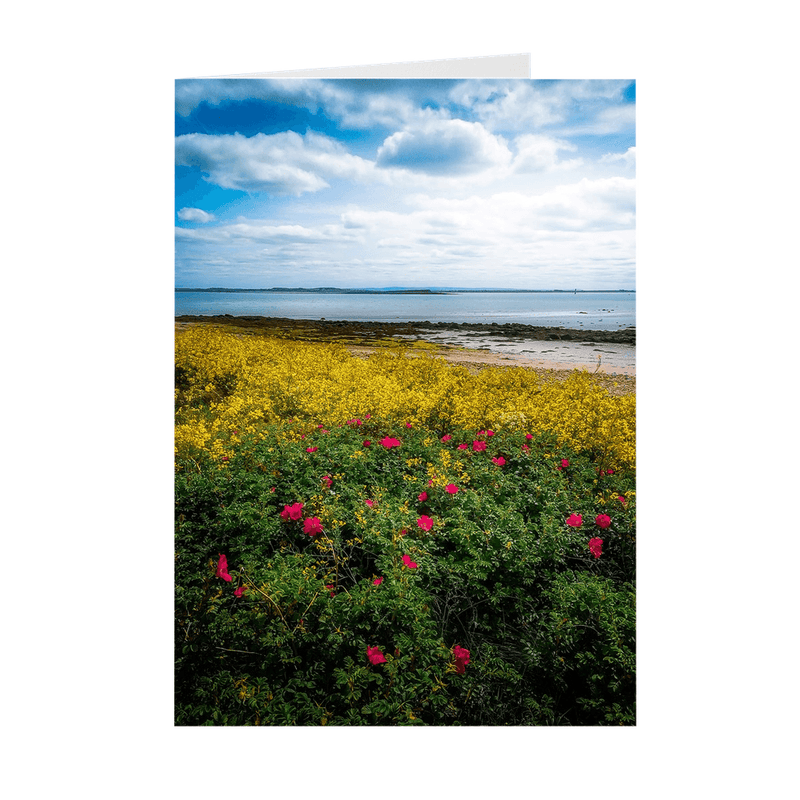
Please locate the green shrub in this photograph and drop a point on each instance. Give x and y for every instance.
(549, 627)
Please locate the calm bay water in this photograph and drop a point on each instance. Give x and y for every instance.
(588, 310)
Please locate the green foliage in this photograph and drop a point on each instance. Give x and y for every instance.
(549, 627)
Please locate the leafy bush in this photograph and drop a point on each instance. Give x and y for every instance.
(390, 571)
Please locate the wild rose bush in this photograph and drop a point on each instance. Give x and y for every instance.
(362, 571)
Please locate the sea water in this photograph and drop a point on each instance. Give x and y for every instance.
(607, 311)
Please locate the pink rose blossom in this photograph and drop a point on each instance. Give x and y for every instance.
(525, 448)
(294, 511)
(596, 547)
(499, 461)
(529, 436)
(366, 443)
(377, 582)
(328, 481)
(462, 447)
(603, 520)
(423, 496)
(370, 503)
(409, 563)
(446, 438)
(478, 446)
(451, 488)
(575, 520)
(311, 449)
(462, 659)
(388, 442)
(312, 526)
(222, 568)
(239, 592)
(424, 522)
(375, 655)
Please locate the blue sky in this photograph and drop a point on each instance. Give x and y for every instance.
(368, 183)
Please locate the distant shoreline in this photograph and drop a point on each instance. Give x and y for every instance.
(434, 291)
(320, 328)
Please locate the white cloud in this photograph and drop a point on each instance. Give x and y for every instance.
(280, 164)
(627, 159)
(537, 153)
(519, 105)
(444, 148)
(195, 215)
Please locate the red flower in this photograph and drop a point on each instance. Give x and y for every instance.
(446, 438)
(312, 526)
(367, 443)
(478, 446)
(462, 447)
(423, 496)
(525, 448)
(622, 499)
(529, 436)
(311, 449)
(596, 547)
(390, 442)
(408, 424)
(329, 586)
(603, 520)
(327, 480)
(239, 592)
(292, 512)
(490, 433)
(462, 658)
(499, 461)
(375, 656)
(564, 463)
(409, 563)
(377, 582)
(370, 503)
(451, 488)
(403, 532)
(575, 520)
(426, 523)
(222, 568)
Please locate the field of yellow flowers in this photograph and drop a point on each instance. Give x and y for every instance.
(228, 386)
(397, 541)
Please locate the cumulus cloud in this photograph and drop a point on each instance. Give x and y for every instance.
(537, 153)
(444, 148)
(280, 164)
(627, 159)
(195, 215)
(520, 104)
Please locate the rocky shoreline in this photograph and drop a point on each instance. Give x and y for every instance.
(348, 329)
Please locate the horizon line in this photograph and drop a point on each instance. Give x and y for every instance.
(385, 289)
